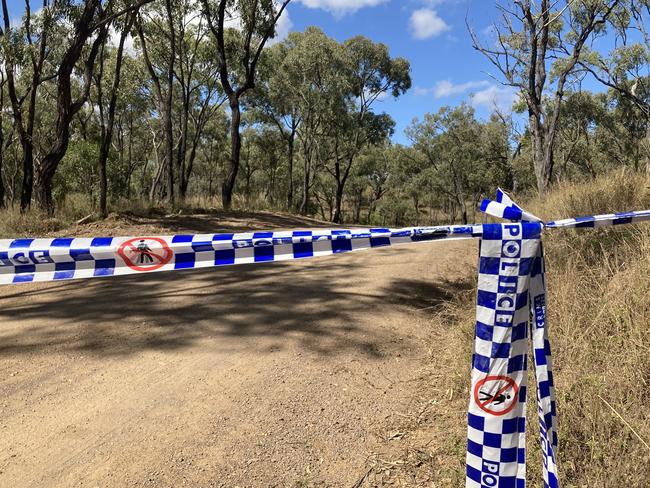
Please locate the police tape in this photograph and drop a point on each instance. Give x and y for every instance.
(510, 307)
(28, 260)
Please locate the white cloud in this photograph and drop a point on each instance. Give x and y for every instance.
(426, 23)
(436, 3)
(495, 97)
(482, 94)
(282, 28)
(129, 44)
(489, 31)
(341, 7)
(446, 88)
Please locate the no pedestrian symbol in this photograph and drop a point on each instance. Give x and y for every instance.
(145, 253)
(496, 395)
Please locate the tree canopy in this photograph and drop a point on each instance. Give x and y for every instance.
(172, 102)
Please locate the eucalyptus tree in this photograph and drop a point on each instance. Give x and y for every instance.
(197, 75)
(26, 63)
(322, 93)
(319, 64)
(107, 112)
(91, 22)
(626, 69)
(178, 53)
(3, 82)
(447, 141)
(238, 53)
(84, 26)
(134, 141)
(536, 50)
(371, 74)
(159, 58)
(370, 180)
(276, 100)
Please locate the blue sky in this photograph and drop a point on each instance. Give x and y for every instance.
(431, 34)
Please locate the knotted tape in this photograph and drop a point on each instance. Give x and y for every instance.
(510, 308)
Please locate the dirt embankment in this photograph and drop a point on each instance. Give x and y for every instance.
(288, 374)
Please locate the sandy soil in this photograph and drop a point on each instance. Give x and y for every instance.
(258, 375)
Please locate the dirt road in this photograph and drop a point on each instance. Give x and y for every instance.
(250, 376)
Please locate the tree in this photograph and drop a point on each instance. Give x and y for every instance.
(238, 55)
(107, 115)
(626, 69)
(163, 82)
(201, 94)
(528, 38)
(448, 143)
(3, 81)
(276, 100)
(371, 74)
(315, 87)
(12, 40)
(88, 27)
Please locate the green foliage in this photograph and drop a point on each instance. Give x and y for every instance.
(457, 157)
(314, 139)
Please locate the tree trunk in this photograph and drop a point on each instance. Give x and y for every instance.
(182, 149)
(646, 143)
(103, 180)
(2, 185)
(188, 170)
(304, 204)
(290, 170)
(45, 170)
(357, 207)
(542, 155)
(169, 100)
(66, 106)
(235, 150)
(2, 141)
(338, 204)
(43, 180)
(156, 179)
(25, 133)
(107, 133)
(27, 186)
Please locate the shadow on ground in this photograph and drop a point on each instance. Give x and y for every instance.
(422, 295)
(232, 221)
(322, 304)
(318, 304)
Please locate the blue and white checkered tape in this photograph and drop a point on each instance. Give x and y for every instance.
(605, 220)
(27, 260)
(497, 408)
(510, 304)
(503, 207)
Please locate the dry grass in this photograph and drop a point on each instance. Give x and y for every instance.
(77, 206)
(599, 319)
(599, 314)
(34, 223)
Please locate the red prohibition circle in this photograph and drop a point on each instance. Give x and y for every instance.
(509, 384)
(162, 253)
